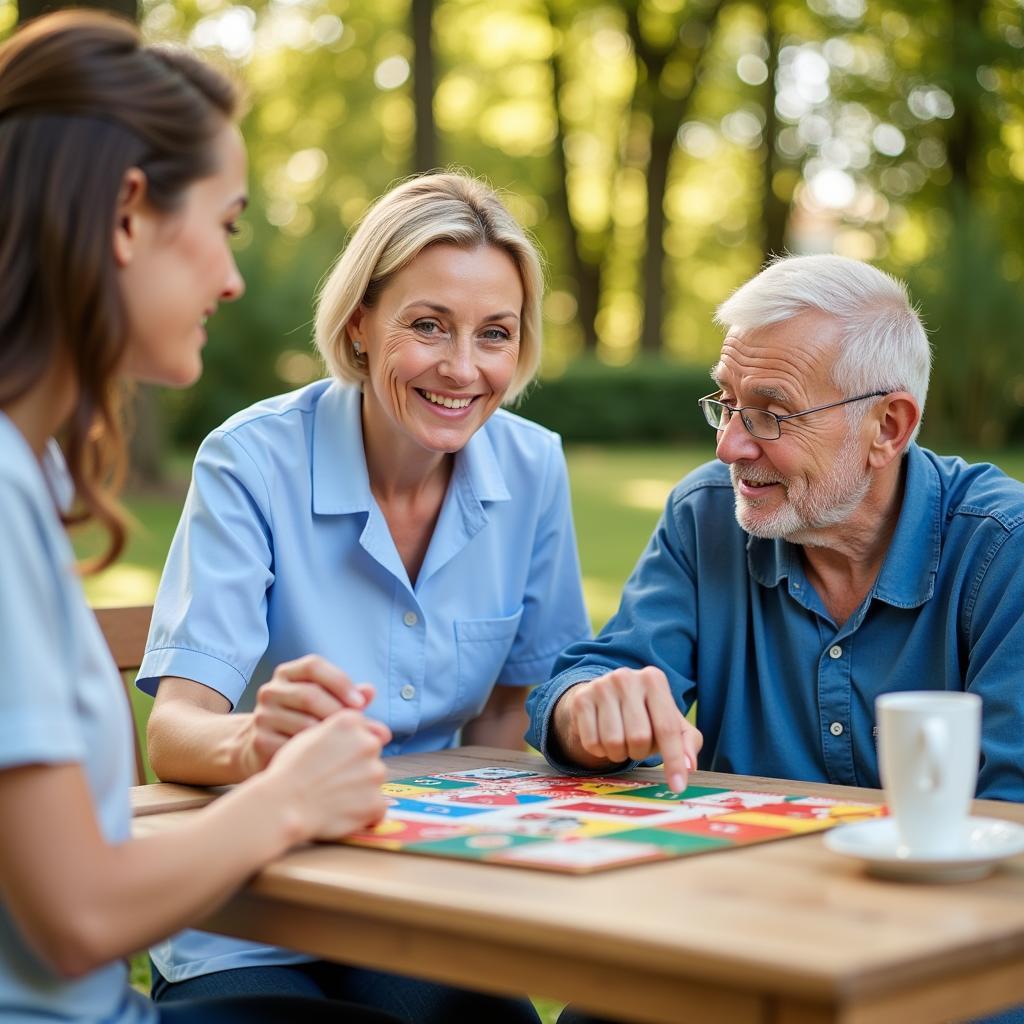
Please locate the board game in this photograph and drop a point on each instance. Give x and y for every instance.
(532, 819)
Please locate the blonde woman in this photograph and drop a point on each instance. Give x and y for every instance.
(392, 518)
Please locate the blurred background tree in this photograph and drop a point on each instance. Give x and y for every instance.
(660, 150)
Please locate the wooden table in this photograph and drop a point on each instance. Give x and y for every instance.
(782, 933)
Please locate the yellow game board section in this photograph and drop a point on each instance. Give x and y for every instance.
(777, 821)
(395, 789)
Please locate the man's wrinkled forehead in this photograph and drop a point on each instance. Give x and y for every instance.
(771, 392)
(790, 354)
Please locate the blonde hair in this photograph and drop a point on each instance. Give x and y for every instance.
(451, 209)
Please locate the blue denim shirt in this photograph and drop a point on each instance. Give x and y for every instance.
(781, 689)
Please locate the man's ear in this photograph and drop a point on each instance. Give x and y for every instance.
(894, 421)
(128, 215)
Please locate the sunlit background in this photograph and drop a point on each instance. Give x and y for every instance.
(885, 130)
(660, 150)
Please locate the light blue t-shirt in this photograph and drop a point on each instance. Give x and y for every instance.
(282, 551)
(61, 702)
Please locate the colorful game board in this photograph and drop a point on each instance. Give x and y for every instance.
(579, 825)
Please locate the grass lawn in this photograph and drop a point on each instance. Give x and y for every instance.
(618, 494)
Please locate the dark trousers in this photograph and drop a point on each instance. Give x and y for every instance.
(408, 999)
(268, 1010)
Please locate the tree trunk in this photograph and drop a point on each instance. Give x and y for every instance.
(962, 141)
(653, 275)
(28, 9)
(774, 210)
(425, 151)
(586, 275)
(146, 436)
(666, 114)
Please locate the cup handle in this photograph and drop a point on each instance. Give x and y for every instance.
(934, 738)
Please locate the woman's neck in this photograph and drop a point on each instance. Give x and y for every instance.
(398, 468)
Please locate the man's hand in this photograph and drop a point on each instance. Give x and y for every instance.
(300, 694)
(628, 714)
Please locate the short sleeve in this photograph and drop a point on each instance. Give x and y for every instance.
(38, 722)
(210, 615)
(554, 612)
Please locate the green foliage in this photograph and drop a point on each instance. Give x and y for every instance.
(648, 400)
(975, 307)
(851, 127)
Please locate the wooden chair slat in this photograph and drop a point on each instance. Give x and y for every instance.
(125, 630)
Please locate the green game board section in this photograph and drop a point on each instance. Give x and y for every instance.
(475, 847)
(677, 842)
(432, 782)
(663, 793)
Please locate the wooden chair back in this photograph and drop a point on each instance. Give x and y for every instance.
(125, 630)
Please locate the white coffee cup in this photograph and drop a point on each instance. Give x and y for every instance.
(928, 746)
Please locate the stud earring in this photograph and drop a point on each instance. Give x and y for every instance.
(357, 348)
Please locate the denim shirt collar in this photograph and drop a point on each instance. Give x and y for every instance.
(911, 564)
(907, 576)
(341, 484)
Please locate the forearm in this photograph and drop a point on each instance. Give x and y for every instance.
(197, 746)
(179, 876)
(505, 729)
(81, 902)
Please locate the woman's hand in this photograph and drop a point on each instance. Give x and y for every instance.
(300, 694)
(330, 776)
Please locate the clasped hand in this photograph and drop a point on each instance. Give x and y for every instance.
(308, 723)
(300, 694)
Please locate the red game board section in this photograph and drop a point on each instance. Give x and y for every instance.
(395, 833)
(506, 799)
(787, 809)
(607, 807)
(715, 829)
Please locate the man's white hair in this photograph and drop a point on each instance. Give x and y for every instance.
(882, 345)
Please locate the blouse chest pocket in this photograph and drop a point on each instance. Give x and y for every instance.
(482, 646)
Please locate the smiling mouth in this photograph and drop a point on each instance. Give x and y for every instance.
(446, 401)
(751, 482)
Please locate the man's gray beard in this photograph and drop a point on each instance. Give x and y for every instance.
(827, 504)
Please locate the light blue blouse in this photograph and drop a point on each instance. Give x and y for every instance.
(283, 551)
(61, 702)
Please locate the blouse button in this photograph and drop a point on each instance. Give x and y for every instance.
(836, 728)
(835, 652)
(410, 618)
(408, 691)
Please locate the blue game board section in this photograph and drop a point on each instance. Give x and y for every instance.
(438, 810)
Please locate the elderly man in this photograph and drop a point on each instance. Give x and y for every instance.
(822, 560)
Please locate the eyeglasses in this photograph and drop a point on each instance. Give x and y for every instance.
(764, 425)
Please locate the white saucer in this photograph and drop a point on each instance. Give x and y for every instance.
(986, 841)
